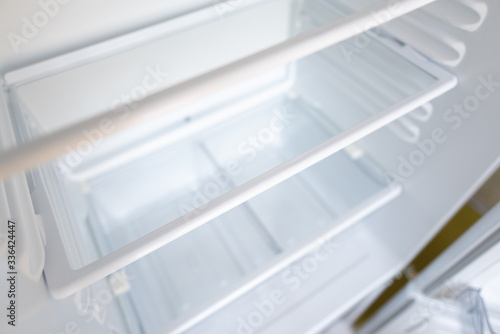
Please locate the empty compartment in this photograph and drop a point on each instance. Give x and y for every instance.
(132, 183)
(139, 180)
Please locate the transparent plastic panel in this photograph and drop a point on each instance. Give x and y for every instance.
(134, 182)
(133, 199)
(216, 259)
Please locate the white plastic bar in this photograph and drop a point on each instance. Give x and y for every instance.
(49, 147)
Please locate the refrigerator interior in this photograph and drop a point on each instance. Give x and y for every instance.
(141, 179)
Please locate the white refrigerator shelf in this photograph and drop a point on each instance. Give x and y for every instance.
(152, 187)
